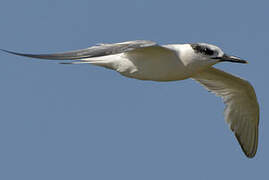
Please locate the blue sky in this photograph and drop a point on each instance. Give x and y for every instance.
(86, 122)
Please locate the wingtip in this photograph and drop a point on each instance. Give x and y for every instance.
(12, 52)
(249, 153)
(6, 51)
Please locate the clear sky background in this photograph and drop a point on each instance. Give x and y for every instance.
(86, 122)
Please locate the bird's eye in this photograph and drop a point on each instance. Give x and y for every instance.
(202, 49)
(207, 51)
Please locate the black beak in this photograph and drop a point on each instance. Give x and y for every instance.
(230, 59)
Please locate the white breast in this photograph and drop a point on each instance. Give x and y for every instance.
(156, 63)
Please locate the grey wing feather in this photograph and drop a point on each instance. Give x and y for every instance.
(94, 51)
(242, 108)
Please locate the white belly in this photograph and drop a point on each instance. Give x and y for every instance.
(154, 64)
(154, 69)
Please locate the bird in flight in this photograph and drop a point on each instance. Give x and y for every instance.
(146, 60)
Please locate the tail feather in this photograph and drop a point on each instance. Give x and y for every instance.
(102, 63)
(76, 62)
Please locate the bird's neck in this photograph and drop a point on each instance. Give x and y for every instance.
(184, 53)
(189, 58)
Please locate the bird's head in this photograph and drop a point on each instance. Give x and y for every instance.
(213, 54)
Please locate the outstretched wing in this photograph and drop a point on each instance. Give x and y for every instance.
(242, 108)
(94, 51)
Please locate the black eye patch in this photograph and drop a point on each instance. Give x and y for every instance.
(208, 51)
(202, 49)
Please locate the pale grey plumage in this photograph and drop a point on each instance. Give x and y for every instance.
(94, 51)
(242, 109)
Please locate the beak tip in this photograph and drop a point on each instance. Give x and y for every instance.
(233, 59)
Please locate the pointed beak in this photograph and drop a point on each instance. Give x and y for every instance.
(233, 59)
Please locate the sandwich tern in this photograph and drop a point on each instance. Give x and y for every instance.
(146, 60)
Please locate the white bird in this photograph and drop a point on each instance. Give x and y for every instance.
(146, 60)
